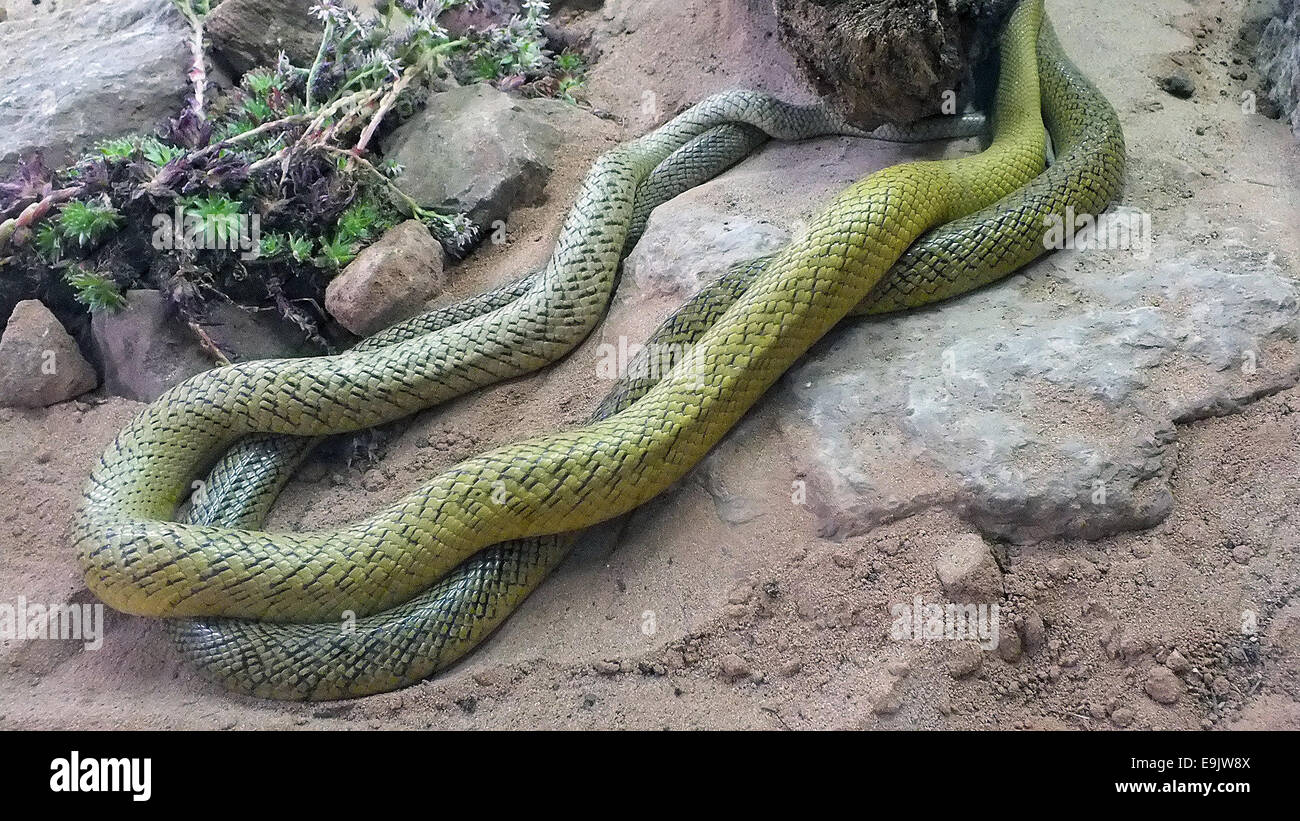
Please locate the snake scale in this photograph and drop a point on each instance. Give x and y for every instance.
(747, 328)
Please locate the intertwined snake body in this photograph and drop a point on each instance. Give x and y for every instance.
(747, 329)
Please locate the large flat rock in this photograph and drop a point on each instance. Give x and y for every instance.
(93, 69)
(1042, 406)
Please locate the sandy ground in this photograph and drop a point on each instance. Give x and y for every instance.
(678, 620)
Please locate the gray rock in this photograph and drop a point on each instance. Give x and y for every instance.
(87, 72)
(253, 334)
(702, 242)
(1043, 406)
(1010, 647)
(964, 659)
(389, 281)
(145, 348)
(733, 666)
(1178, 663)
(1179, 84)
(478, 150)
(968, 572)
(251, 33)
(1033, 632)
(39, 362)
(1163, 686)
(1278, 59)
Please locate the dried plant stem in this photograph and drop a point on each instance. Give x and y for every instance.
(403, 82)
(207, 343)
(198, 73)
(353, 156)
(273, 125)
(36, 212)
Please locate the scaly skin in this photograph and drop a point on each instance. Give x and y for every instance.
(139, 562)
(467, 614)
(413, 640)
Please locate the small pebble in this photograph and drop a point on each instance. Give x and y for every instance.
(1178, 84)
(1163, 686)
(733, 666)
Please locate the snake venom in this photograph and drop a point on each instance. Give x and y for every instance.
(432, 574)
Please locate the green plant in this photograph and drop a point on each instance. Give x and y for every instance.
(214, 218)
(96, 292)
(87, 222)
(337, 251)
(289, 145)
(361, 221)
(272, 245)
(49, 243)
(260, 81)
(158, 152)
(122, 148)
(300, 247)
(569, 62)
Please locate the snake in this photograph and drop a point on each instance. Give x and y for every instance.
(749, 327)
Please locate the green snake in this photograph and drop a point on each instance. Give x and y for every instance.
(747, 328)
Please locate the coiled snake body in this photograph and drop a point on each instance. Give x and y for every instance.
(746, 328)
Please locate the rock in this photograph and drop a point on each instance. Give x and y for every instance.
(1033, 633)
(1277, 57)
(1163, 686)
(964, 659)
(389, 281)
(1178, 663)
(39, 362)
(844, 558)
(702, 242)
(887, 698)
(478, 150)
(87, 72)
(968, 572)
(1009, 646)
(145, 348)
(1179, 84)
(251, 33)
(1242, 554)
(244, 335)
(973, 411)
(733, 666)
(885, 61)
(1059, 568)
(1123, 716)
